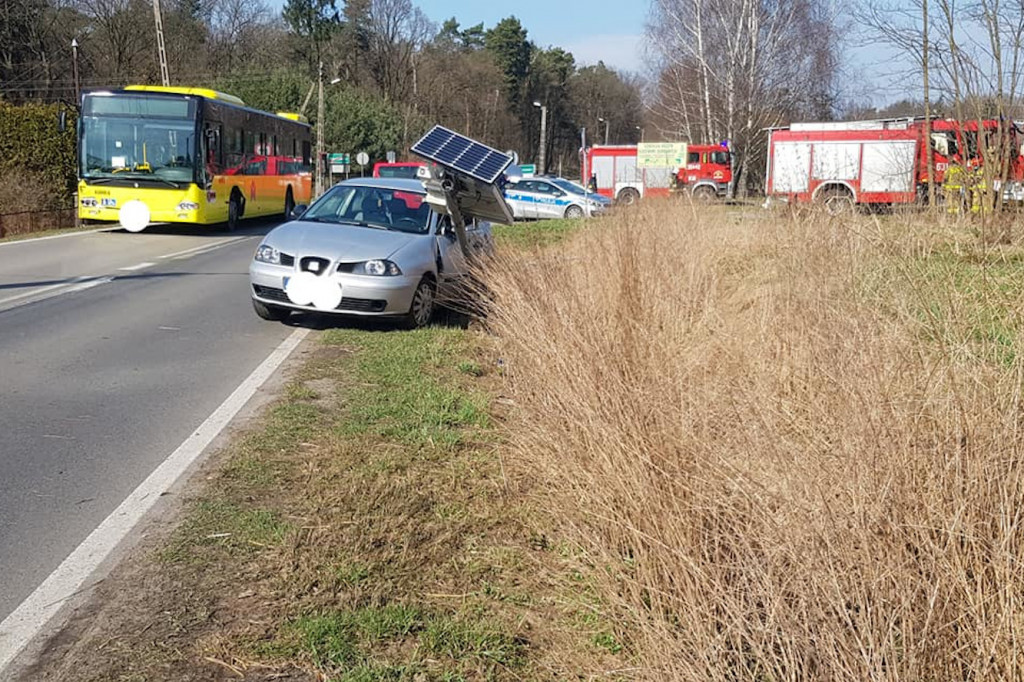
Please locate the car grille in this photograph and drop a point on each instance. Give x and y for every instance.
(359, 305)
(314, 264)
(287, 259)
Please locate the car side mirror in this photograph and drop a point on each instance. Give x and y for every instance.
(298, 211)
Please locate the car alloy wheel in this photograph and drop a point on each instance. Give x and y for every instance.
(574, 212)
(422, 307)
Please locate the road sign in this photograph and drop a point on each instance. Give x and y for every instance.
(338, 159)
(362, 158)
(391, 157)
(660, 154)
(527, 168)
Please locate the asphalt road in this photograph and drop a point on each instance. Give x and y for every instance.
(114, 347)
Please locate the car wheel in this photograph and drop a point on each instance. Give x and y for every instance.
(574, 212)
(289, 205)
(234, 213)
(704, 194)
(269, 312)
(629, 196)
(422, 307)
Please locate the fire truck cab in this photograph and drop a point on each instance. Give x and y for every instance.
(707, 173)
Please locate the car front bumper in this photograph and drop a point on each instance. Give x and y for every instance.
(363, 295)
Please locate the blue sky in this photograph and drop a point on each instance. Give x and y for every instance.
(592, 31)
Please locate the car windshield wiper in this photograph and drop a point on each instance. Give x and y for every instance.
(318, 219)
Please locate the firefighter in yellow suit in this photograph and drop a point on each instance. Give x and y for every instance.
(966, 189)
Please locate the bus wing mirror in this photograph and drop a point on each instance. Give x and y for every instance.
(62, 120)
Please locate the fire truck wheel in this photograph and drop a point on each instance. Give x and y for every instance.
(837, 201)
(704, 194)
(628, 196)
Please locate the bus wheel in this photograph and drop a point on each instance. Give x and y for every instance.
(234, 213)
(629, 196)
(289, 205)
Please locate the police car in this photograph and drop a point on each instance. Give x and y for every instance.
(533, 198)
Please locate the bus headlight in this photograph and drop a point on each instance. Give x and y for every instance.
(88, 202)
(268, 254)
(188, 206)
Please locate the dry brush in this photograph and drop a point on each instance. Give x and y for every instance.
(788, 445)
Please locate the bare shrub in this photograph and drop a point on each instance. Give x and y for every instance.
(29, 203)
(784, 443)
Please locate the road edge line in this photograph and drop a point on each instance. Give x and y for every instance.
(76, 233)
(37, 611)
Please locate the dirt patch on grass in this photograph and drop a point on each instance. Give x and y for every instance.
(365, 531)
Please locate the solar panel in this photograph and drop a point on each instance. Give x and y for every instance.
(462, 154)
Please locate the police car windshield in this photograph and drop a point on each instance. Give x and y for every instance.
(568, 185)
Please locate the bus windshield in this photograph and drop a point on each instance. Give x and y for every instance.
(138, 138)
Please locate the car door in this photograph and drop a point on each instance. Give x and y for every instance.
(514, 199)
(551, 201)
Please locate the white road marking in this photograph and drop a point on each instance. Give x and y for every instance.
(202, 248)
(77, 284)
(86, 282)
(57, 236)
(33, 614)
(139, 266)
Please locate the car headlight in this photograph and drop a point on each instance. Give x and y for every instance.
(268, 254)
(380, 268)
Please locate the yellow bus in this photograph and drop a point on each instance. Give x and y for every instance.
(151, 154)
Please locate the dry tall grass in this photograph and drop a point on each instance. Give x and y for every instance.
(791, 447)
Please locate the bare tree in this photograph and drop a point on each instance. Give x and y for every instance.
(729, 68)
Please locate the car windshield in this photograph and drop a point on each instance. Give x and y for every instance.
(397, 171)
(569, 186)
(372, 207)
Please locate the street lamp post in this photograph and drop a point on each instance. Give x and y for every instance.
(541, 166)
(318, 181)
(318, 184)
(606, 123)
(641, 133)
(74, 68)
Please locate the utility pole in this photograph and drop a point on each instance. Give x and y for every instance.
(74, 67)
(164, 77)
(927, 106)
(541, 166)
(318, 188)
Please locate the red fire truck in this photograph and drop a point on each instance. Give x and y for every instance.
(706, 173)
(881, 162)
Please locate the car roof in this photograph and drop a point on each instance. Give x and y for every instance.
(401, 184)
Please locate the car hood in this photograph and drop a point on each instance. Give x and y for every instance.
(347, 243)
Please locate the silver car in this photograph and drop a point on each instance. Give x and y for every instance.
(536, 198)
(367, 247)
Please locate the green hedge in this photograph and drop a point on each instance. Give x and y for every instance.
(31, 143)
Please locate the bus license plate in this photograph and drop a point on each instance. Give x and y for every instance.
(108, 202)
